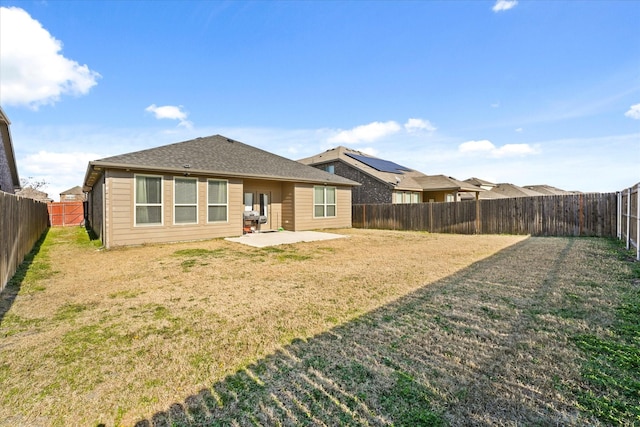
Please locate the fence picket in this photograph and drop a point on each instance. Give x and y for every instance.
(22, 222)
(570, 215)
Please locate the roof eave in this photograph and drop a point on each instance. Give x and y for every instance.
(97, 165)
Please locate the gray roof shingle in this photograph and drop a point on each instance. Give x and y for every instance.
(218, 155)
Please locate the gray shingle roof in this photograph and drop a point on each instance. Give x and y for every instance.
(479, 182)
(77, 190)
(403, 180)
(446, 183)
(406, 179)
(547, 189)
(217, 155)
(511, 190)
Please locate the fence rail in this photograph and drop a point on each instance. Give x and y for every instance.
(66, 213)
(568, 215)
(22, 222)
(629, 218)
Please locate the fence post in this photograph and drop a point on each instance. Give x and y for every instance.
(637, 221)
(478, 231)
(628, 217)
(619, 215)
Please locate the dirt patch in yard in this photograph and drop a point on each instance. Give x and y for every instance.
(467, 329)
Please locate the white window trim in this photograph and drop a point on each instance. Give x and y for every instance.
(406, 197)
(325, 204)
(136, 204)
(226, 204)
(184, 204)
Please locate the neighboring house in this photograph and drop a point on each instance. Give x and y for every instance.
(486, 185)
(441, 188)
(74, 194)
(511, 190)
(32, 193)
(548, 190)
(383, 181)
(201, 189)
(9, 179)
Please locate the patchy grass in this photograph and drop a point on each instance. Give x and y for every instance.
(612, 368)
(381, 328)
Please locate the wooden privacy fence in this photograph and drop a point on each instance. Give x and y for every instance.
(66, 213)
(568, 215)
(22, 222)
(629, 218)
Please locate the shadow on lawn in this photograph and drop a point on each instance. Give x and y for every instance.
(10, 292)
(459, 351)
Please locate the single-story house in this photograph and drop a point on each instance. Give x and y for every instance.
(205, 188)
(384, 181)
(9, 179)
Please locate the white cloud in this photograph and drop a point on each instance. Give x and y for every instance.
(502, 5)
(634, 112)
(415, 125)
(488, 149)
(369, 150)
(366, 133)
(476, 146)
(519, 130)
(61, 171)
(170, 112)
(34, 72)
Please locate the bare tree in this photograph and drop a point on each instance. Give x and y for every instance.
(36, 184)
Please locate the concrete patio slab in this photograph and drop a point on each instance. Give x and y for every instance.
(274, 238)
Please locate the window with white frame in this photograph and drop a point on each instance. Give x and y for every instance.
(324, 202)
(148, 197)
(217, 200)
(185, 200)
(406, 197)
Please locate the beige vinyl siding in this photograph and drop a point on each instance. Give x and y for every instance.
(121, 208)
(303, 202)
(288, 206)
(273, 189)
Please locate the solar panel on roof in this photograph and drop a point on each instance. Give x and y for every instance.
(379, 164)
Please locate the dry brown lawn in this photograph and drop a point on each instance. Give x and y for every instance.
(361, 331)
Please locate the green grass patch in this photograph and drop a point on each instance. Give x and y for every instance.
(69, 312)
(612, 366)
(196, 255)
(409, 403)
(128, 293)
(272, 250)
(292, 257)
(491, 313)
(36, 266)
(83, 237)
(197, 252)
(13, 324)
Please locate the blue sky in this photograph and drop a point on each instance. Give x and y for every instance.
(525, 92)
